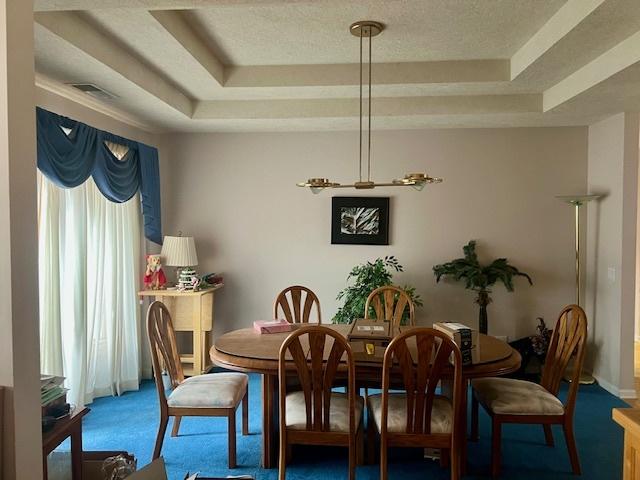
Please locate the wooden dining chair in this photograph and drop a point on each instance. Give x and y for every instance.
(296, 303)
(211, 395)
(314, 414)
(517, 401)
(418, 359)
(389, 303)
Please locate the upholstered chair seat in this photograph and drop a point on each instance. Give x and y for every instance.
(517, 401)
(441, 413)
(212, 395)
(218, 390)
(338, 412)
(311, 412)
(417, 416)
(507, 396)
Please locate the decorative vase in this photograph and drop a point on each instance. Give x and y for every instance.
(483, 300)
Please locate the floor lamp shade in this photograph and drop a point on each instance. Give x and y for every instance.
(179, 252)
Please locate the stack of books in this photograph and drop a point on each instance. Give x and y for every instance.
(51, 391)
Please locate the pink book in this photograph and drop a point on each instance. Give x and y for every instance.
(271, 326)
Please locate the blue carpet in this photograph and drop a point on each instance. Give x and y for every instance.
(130, 423)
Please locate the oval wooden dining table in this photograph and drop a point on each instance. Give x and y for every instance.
(245, 350)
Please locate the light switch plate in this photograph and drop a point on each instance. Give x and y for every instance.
(611, 274)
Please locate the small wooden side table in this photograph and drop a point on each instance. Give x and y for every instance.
(629, 419)
(190, 312)
(64, 428)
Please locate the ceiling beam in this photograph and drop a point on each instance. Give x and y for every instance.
(388, 107)
(623, 55)
(568, 17)
(73, 28)
(458, 71)
(68, 5)
(178, 27)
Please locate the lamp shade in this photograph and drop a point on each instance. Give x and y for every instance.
(179, 252)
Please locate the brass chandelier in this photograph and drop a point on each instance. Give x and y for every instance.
(368, 29)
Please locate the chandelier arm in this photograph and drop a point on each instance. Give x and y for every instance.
(369, 134)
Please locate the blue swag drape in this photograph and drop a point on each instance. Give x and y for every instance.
(68, 160)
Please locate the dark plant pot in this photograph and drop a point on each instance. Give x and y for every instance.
(483, 322)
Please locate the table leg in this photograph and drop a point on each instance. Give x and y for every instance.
(76, 453)
(45, 469)
(269, 421)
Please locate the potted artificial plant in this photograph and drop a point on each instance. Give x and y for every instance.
(479, 278)
(367, 277)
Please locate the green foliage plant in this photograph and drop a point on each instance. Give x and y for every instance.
(366, 278)
(479, 278)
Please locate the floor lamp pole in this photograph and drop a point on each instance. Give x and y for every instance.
(577, 201)
(578, 274)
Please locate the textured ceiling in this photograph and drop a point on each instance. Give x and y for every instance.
(291, 34)
(234, 65)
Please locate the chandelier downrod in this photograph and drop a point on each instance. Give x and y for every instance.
(368, 29)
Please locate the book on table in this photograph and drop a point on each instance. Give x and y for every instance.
(465, 337)
(369, 339)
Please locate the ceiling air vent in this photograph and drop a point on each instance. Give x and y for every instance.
(94, 91)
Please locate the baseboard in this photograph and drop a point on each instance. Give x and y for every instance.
(626, 393)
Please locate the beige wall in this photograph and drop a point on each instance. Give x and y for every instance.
(611, 248)
(21, 455)
(236, 194)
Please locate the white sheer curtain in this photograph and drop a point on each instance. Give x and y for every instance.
(89, 254)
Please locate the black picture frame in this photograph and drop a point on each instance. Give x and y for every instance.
(380, 236)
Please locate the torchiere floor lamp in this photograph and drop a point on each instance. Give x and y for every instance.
(577, 201)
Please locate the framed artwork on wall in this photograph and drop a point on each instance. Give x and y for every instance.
(360, 220)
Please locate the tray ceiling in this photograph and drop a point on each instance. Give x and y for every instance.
(238, 65)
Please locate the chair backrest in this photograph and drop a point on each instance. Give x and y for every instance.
(164, 350)
(420, 373)
(296, 303)
(568, 341)
(389, 303)
(313, 354)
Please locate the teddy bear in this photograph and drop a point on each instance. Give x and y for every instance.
(154, 277)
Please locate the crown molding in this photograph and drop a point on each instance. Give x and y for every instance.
(70, 93)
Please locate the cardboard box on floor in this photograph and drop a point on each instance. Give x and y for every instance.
(156, 470)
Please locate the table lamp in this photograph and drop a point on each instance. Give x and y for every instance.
(180, 252)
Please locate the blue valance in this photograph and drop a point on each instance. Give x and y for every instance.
(69, 159)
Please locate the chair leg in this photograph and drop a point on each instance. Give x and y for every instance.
(245, 413)
(232, 438)
(475, 435)
(162, 428)
(352, 458)
(496, 444)
(548, 434)
(289, 455)
(282, 456)
(445, 459)
(176, 426)
(455, 464)
(360, 444)
(371, 438)
(383, 458)
(571, 446)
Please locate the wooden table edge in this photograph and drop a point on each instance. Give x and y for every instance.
(270, 367)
